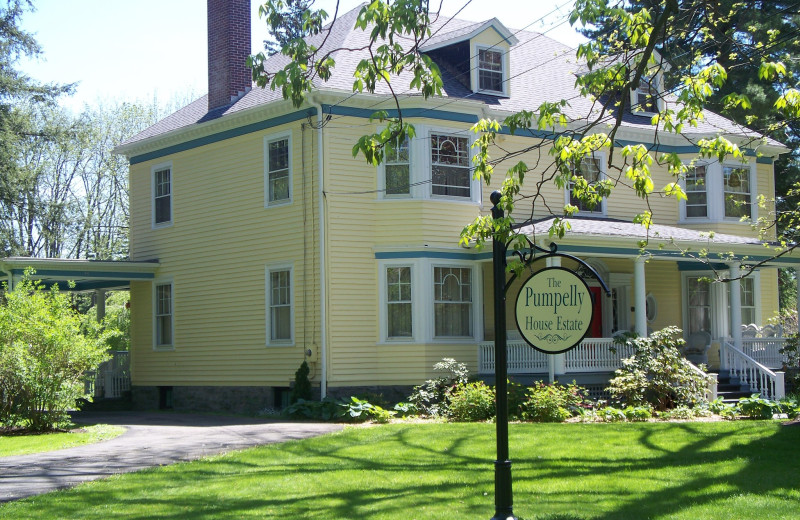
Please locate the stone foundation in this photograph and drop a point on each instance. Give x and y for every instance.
(249, 399)
(224, 399)
(380, 395)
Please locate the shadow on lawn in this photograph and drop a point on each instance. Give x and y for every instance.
(409, 473)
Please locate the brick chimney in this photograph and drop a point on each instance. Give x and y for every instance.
(228, 48)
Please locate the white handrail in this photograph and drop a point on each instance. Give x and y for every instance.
(711, 389)
(752, 373)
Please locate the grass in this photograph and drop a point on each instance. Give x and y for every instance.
(24, 444)
(723, 470)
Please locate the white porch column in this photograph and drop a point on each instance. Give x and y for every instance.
(640, 297)
(100, 301)
(736, 304)
(797, 281)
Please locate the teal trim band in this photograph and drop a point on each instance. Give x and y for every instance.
(366, 113)
(227, 134)
(443, 255)
(765, 160)
(444, 115)
(701, 266)
(66, 274)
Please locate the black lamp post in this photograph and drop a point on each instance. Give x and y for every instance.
(503, 496)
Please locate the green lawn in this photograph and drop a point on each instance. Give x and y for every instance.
(36, 443)
(724, 470)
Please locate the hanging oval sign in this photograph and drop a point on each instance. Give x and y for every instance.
(554, 310)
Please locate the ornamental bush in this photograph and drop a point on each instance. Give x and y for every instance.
(472, 402)
(657, 374)
(44, 353)
(432, 397)
(553, 402)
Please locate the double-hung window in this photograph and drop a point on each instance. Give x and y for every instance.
(452, 301)
(399, 319)
(162, 196)
(397, 170)
(279, 306)
(591, 170)
(736, 190)
(163, 315)
(696, 194)
(278, 170)
(490, 70)
(450, 166)
(699, 304)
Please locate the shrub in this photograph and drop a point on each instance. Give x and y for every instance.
(472, 402)
(517, 395)
(638, 413)
(325, 410)
(756, 407)
(431, 397)
(44, 354)
(680, 412)
(658, 374)
(611, 414)
(552, 402)
(361, 409)
(302, 385)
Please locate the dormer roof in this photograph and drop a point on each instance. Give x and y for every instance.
(467, 32)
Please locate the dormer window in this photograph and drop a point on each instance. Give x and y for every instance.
(490, 70)
(645, 99)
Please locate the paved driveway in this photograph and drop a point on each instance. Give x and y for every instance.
(151, 439)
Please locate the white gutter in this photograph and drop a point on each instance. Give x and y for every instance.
(323, 385)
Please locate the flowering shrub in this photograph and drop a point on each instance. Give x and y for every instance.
(658, 375)
(553, 402)
(472, 402)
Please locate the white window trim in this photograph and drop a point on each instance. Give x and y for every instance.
(753, 189)
(603, 210)
(475, 187)
(659, 84)
(715, 195)
(267, 140)
(268, 301)
(411, 180)
(475, 71)
(477, 301)
(153, 170)
(422, 306)
(155, 284)
(416, 317)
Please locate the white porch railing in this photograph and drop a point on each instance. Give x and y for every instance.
(592, 355)
(596, 355)
(112, 377)
(522, 359)
(765, 351)
(758, 377)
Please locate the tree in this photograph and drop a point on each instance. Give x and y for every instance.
(287, 22)
(16, 89)
(44, 354)
(622, 55)
(70, 192)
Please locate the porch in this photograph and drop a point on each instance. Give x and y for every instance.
(755, 368)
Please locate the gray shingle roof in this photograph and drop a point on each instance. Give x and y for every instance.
(612, 228)
(542, 69)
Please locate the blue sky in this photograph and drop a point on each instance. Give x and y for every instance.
(122, 50)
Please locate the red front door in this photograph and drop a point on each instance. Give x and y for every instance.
(596, 328)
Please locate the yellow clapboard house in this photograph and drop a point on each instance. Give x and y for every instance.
(274, 245)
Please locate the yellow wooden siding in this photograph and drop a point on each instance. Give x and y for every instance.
(768, 282)
(222, 238)
(215, 252)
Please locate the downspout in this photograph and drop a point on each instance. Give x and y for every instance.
(323, 346)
